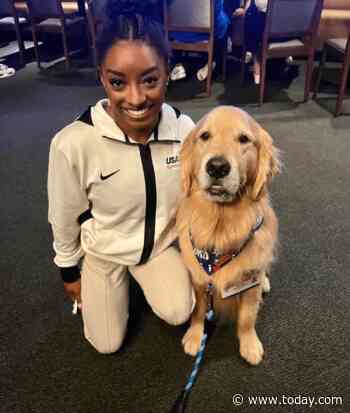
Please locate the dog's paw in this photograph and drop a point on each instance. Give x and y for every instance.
(251, 349)
(192, 340)
(265, 284)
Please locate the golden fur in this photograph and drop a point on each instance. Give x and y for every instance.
(220, 211)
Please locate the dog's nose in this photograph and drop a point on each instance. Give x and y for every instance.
(218, 167)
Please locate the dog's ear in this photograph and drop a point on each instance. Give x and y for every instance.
(186, 159)
(269, 163)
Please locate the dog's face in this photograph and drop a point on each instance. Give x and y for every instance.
(228, 154)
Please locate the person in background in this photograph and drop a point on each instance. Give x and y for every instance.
(114, 182)
(221, 23)
(254, 26)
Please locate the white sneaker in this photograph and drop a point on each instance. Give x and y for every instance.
(202, 73)
(289, 60)
(6, 71)
(248, 57)
(178, 72)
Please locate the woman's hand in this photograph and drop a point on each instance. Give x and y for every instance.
(239, 12)
(73, 290)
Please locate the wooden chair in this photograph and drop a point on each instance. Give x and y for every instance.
(298, 21)
(341, 47)
(195, 16)
(95, 10)
(10, 20)
(48, 17)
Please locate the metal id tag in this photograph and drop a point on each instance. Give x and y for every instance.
(240, 287)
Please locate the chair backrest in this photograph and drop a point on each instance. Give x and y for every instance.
(293, 18)
(96, 13)
(43, 9)
(7, 8)
(98, 8)
(190, 15)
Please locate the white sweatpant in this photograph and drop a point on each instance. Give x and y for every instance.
(105, 295)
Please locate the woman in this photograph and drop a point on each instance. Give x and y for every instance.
(113, 185)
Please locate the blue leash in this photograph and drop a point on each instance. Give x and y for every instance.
(209, 327)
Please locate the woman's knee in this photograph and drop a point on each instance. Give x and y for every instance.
(106, 345)
(177, 318)
(177, 314)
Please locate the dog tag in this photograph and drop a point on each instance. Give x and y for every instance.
(240, 287)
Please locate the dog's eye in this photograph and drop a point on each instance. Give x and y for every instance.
(243, 139)
(204, 136)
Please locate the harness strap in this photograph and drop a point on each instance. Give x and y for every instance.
(212, 261)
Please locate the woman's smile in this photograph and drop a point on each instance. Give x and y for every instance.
(137, 113)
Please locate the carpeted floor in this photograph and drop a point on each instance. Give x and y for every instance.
(45, 364)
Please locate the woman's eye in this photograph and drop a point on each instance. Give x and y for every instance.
(243, 139)
(116, 83)
(151, 80)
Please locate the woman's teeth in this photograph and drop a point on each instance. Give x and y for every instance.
(136, 113)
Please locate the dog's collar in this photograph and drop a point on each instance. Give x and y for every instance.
(212, 261)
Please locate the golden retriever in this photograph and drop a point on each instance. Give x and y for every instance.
(227, 162)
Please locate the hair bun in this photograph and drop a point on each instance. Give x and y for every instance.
(129, 7)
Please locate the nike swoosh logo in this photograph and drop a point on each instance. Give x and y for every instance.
(104, 177)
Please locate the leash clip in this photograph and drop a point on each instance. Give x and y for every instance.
(210, 288)
(210, 311)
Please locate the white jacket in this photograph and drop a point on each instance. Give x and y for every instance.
(110, 196)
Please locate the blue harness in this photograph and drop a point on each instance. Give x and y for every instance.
(212, 261)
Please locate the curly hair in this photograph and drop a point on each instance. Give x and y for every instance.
(131, 20)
